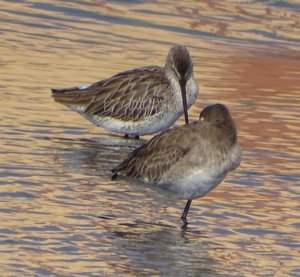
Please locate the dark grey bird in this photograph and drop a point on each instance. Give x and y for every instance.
(189, 160)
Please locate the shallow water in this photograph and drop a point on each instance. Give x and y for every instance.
(60, 213)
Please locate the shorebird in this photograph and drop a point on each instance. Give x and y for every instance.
(189, 160)
(140, 101)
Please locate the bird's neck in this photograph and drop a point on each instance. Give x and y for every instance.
(227, 133)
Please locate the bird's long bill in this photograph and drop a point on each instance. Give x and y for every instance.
(182, 83)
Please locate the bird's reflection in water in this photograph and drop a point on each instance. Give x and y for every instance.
(94, 156)
(167, 252)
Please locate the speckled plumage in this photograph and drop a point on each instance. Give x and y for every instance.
(139, 101)
(189, 160)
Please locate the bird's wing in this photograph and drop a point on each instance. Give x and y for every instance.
(155, 157)
(128, 96)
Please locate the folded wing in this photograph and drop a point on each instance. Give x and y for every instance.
(155, 157)
(128, 96)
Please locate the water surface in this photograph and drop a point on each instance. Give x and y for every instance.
(60, 213)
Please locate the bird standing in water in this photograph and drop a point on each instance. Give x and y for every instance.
(189, 160)
(140, 101)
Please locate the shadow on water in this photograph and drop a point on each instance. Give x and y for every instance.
(165, 251)
(94, 156)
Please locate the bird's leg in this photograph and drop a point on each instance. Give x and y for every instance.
(185, 212)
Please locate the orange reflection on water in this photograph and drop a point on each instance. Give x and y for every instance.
(60, 213)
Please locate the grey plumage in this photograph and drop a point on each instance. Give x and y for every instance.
(189, 160)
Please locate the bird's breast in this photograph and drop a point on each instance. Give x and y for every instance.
(193, 184)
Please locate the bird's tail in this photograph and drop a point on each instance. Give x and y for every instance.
(74, 96)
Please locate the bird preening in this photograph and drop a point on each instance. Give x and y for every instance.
(187, 161)
(140, 101)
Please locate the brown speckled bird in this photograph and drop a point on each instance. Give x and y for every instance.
(137, 102)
